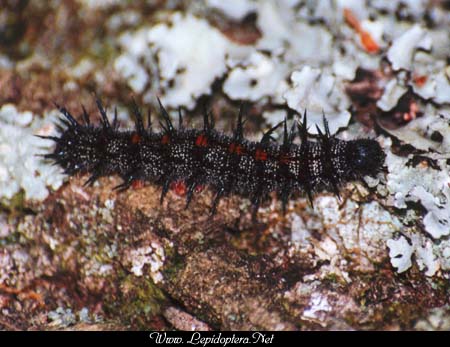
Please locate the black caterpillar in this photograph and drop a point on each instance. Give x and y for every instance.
(228, 164)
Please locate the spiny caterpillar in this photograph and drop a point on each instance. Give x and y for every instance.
(228, 164)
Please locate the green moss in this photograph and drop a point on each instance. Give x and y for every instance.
(15, 205)
(333, 280)
(441, 284)
(101, 50)
(12, 238)
(139, 301)
(173, 265)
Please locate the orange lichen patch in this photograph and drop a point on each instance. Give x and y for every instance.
(366, 39)
(135, 138)
(201, 141)
(284, 159)
(423, 164)
(165, 139)
(368, 42)
(137, 184)
(179, 187)
(420, 80)
(236, 148)
(260, 155)
(8, 290)
(351, 19)
(25, 294)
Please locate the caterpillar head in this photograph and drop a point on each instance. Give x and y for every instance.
(365, 157)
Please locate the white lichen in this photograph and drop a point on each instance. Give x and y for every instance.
(297, 40)
(364, 227)
(393, 91)
(403, 48)
(430, 257)
(318, 305)
(20, 166)
(400, 252)
(429, 78)
(152, 255)
(423, 184)
(300, 234)
(418, 133)
(257, 77)
(428, 186)
(436, 221)
(438, 319)
(62, 317)
(128, 66)
(274, 117)
(65, 317)
(180, 54)
(317, 92)
(442, 86)
(425, 255)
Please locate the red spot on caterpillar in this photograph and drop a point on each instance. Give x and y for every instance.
(284, 159)
(179, 187)
(236, 148)
(135, 138)
(201, 141)
(199, 188)
(137, 184)
(366, 39)
(260, 155)
(165, 139)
